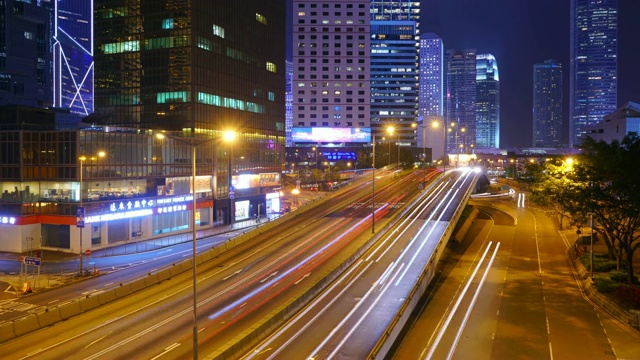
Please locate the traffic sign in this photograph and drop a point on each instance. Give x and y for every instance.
(28, 260)
(231, 192)
(80, 217)
(88, 252)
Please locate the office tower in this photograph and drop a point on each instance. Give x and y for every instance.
(202, 67)
(431, 75)
(487, 102)
(394, 85)
(288, 94)
(73, 68)
(547, 104)
(593, 64)
(396, 10)
(331, 86)
(393, 50)
(25, 73)
(460, 104)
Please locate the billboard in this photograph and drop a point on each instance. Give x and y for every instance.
(330, 134)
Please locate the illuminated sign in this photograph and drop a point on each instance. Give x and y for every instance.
(8, 220)
(136, 208)
(330, 134)
(339, 155)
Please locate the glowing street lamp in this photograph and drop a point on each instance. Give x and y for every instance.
(80, 211)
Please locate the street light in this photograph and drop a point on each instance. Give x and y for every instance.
(80, 211)
(229, 137)
(390, 132)
(373, 188)
(194, 142)
(315, 150)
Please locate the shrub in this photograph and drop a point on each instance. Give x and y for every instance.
(601, 262)
(622, 277)
(629, 295)
(604, 284)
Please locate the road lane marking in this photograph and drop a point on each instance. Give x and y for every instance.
(235, 273)
(302, 278)
(173, 346)
(96, 340)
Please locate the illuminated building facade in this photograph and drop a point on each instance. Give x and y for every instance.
(593, 82)
(198, 67)
(331, 84)
(431, 75)
(140, 190)
(547, 104)
(289, 102)
(73, 67)
(460, 100)
(25, 73)
(487, 102)
(394, 80)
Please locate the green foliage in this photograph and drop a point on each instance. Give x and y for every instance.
(622, 276)
(601, 262)
(604, 284)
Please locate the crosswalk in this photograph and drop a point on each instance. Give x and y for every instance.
(8, 306)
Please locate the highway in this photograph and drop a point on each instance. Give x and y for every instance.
(236, 291)
(508, 292)
(346, 320)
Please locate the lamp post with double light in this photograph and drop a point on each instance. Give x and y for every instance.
(80, 211)
(193, 142)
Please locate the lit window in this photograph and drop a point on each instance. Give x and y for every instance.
(261, 19)
(218, 31)
(271, 67)
(167, 24)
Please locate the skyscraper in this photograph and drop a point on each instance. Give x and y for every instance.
(431, 75)
(25, 75)
(394, 68)
(547, 104)
(487, 102)
(73, 68)
(331, 85)
(288, 112)
(593, 64)
(201, 67)
(394, 85)
(460, 103)
(396, 10)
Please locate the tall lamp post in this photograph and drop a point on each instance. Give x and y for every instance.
(193, 142)
(229, 137)
(390, 132)
(315, 150)
(373, 189)
(80, 211)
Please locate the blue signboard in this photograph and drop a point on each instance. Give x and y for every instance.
(32, 261)
(80, 217)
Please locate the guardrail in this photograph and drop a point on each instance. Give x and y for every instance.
(386, 341)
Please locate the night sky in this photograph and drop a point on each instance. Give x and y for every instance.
(520, 33)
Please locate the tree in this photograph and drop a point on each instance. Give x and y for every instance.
(603, 181)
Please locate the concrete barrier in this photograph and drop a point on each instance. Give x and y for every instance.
(70, 309)
(25, 325)
(164, 275)
(6, 332)
(107, 297)
(89, 303)
(205, 256)
(123, 291)
(175, 270)
(137, 285)
(151, 280)
(49, 317)
(186, 265)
